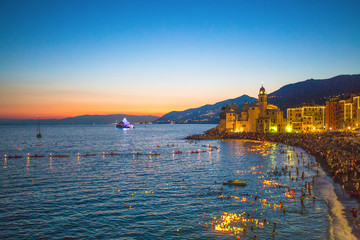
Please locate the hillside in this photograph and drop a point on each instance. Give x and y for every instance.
(306, 92)
(204, 114)
(315, 91)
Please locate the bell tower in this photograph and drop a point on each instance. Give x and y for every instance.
(262, 101)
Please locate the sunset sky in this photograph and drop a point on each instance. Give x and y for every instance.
(68, 58)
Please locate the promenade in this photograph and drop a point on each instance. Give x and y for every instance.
(337, 152)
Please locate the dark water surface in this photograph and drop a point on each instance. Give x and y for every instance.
(168, 196)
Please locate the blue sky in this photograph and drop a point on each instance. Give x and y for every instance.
(151, 57)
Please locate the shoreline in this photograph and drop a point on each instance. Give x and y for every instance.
(337, 153)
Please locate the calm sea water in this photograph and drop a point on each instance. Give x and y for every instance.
(169, 196)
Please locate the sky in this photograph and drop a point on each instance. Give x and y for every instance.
(65, 58)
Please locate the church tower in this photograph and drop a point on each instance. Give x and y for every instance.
(262, 101)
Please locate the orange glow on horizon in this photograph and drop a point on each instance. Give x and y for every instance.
(59, 116)
(28, 101)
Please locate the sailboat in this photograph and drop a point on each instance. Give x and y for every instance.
(38, 128)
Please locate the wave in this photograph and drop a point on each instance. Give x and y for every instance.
(338, 224)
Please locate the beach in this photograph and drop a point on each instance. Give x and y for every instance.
(338, 154)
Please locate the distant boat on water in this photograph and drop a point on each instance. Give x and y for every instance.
(38, 129)
(124, 124)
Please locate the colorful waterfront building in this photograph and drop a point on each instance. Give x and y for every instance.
(306, 118)
(258, 117)
(343, 114)
(331, 115)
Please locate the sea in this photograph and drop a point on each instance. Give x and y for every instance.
(177, 193)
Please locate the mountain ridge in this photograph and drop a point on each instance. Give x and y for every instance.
(82, 119)
(208, 113)
(310, 91)
(315, 91)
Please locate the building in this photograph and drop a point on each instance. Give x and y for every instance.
(259, 117)
(262, 117)
(331, 115)
(343, 114)
(306, 118)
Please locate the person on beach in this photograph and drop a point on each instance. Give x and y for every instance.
(302, 198)
(355, 214)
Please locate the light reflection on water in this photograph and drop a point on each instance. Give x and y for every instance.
(145, 197)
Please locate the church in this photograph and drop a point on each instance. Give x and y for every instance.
(259, 117)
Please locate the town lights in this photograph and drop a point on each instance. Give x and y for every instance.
(288, 129)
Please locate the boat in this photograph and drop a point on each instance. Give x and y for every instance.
(235, 183)
(38, 128)
(60, 155)
(124, 124)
